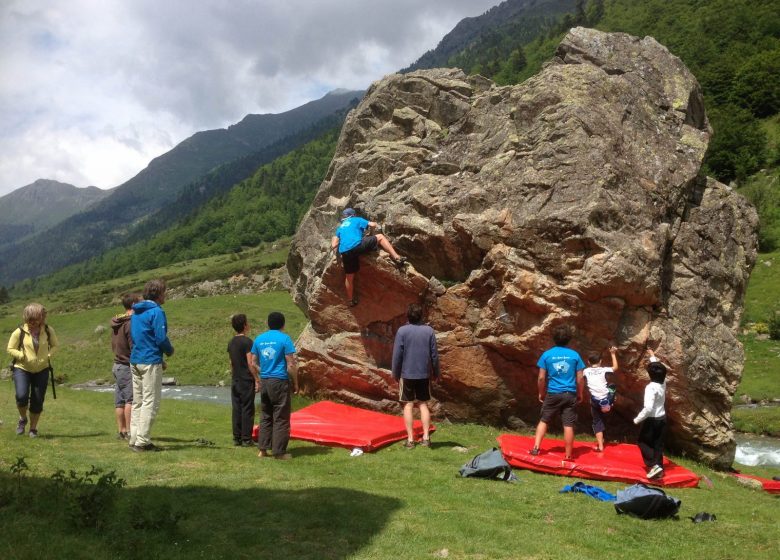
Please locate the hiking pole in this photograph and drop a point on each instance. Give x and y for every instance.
(53, 388)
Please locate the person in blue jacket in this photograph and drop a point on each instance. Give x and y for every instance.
(149, 331)
(561, 386)
(351, 241)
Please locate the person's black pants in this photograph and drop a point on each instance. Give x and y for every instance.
(651, 441)
(242, 393)
(275, 420)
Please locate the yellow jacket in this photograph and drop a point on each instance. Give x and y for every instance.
(27, 358)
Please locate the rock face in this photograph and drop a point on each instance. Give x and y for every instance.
(573, 197)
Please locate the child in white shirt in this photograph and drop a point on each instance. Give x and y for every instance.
(653, 419)
(602, 395)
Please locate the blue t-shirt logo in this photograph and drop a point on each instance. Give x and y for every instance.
(561, 368)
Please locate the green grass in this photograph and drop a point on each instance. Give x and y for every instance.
(763, 293)
(765, 421)
(761, 377)
(199, 330)
(394, 503)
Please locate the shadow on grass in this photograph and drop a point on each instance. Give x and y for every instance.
(254, 522)
(49, 435)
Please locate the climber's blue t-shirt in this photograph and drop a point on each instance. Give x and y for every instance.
(270, 348)
(350, 232)
(562, 365)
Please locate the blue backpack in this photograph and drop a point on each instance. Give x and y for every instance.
(645, 502)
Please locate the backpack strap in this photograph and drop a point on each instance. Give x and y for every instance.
(20, 344)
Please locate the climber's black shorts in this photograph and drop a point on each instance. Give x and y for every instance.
(351, 258)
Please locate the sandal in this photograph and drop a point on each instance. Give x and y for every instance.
(409, 444)
(534, 451)
(426, 442)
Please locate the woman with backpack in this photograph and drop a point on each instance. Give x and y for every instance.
(30, 347)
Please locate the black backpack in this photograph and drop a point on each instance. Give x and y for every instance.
(645, 502)
(490, 464)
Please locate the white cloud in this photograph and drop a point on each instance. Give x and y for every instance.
(92, 90)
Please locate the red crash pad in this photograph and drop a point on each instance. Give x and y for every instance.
(771, 486)
(340, 425)
(618, 462)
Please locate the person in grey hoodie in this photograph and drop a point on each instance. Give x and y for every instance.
(415, 361)
(149, 329)
(121, 343)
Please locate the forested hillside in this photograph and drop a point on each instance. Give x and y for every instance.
(265, 207)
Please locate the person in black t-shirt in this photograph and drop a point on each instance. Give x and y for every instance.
(245, 382)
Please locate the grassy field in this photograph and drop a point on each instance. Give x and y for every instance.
(396, 503)
(761, 378)
(199, 329)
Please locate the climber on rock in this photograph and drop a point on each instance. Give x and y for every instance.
(350, 241)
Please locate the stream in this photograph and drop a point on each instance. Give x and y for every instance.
(752, 450)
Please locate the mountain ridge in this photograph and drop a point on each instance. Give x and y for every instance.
(40, 205)
(105, 224)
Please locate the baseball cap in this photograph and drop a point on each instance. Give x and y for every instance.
(348, 212)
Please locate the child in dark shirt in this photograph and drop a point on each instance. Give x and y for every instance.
(245, 382)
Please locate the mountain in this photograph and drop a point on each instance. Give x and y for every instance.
(40, 205)
(264, 207)
(108, 223)
(523, 19)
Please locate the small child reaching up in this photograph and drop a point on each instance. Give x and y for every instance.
(602, 395)
(653, 419)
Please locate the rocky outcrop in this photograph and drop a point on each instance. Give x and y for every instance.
(574, 197)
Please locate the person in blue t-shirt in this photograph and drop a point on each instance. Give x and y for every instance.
(273, 352)
(561, 386)
(350, 241)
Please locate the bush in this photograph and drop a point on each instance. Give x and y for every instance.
(774, 326)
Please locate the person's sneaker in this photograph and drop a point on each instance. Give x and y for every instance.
(263, 453)
(655, 472)
(247, 443)
(425, 442)
(121, 435)
(534, 451)
(283, 457)
(20, 426)
(33, 433)
(409, 444)
(144, 448)
(237, 442)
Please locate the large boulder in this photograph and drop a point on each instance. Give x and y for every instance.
(574, 197)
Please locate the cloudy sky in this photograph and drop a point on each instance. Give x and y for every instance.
(92, 90)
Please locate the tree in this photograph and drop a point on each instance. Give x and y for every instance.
(757, 84)
(517, 60)
(738, 146)
(4, 297)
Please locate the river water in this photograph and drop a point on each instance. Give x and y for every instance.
(751, 450)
